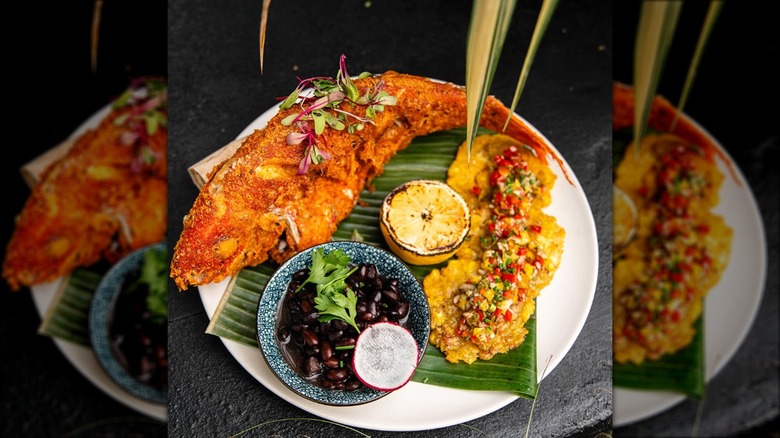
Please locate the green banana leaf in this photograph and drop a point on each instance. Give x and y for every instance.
(68, 317)
(427, 157)
(681, 372)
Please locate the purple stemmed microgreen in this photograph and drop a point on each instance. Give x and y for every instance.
(311, 154)
(324, 104)
(146, 99)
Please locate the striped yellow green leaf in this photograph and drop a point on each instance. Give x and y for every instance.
(545, 14)
(709, 22)
(486, 35)
(657, 22)
(68, 314)
(682, 372)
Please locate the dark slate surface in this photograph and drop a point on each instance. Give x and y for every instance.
(737, 79)
(217, 90)
(49, 91)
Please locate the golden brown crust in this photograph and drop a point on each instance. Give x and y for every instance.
(255, 200)
(84, 202)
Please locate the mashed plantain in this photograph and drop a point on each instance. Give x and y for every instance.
(679, 250)
(481, 300)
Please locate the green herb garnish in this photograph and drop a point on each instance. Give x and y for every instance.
(153, 276)
(334, 299)
(325, 107)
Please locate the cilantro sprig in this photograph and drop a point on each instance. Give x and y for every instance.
(334, 300)
(153, 275)
(328, 105)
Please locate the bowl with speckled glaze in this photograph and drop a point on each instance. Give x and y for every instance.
(277, 337)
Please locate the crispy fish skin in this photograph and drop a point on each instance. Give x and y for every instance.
(254, 206)
(89, 204)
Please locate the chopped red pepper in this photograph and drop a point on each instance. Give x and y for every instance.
(508, 316)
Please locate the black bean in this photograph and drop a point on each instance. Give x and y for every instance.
(294, 305)
(355, 279)
(326, 350)
(337, 374)
(311, 351)
(352, 384)
(311, 367)
(307, 306)
(334, 336)
(362, 272)
(391, 295)
(392, 284)
(403, 308)
(346, 342)
(310, 338)
(311, 317)
(332, 362)
(338, 324)
(301, 275)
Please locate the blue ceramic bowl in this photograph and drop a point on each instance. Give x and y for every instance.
(101, 316)
(389, 265)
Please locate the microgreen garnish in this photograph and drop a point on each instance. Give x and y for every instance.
(147, 100)
(323, 106)
(334, 299)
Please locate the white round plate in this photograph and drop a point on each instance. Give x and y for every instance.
(730, 307)
(562, 309)
(83, 358)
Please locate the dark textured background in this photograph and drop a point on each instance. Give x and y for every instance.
(217, 90)
(734, 97)
(49, 91)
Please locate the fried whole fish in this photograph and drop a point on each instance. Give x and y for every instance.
(257, 206)
(104, 198)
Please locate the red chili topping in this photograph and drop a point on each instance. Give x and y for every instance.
(506, 249)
